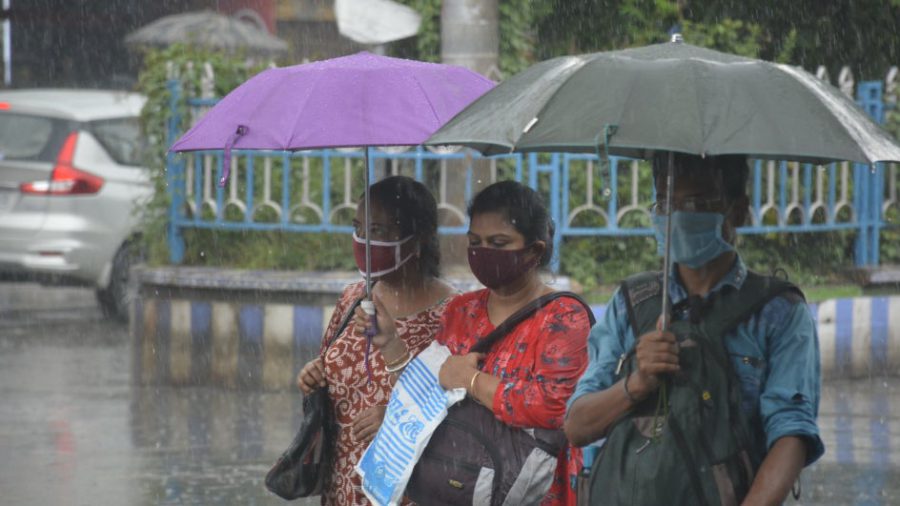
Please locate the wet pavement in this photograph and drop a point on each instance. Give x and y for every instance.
(75, 430)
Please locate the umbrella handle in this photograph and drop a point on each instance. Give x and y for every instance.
(609, 130)
(371, 331)
(226, 157)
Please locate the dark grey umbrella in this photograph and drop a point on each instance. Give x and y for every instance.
(207, 29)
(669, 97)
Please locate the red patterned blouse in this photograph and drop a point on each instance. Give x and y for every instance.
(351, 393)
(538, 364)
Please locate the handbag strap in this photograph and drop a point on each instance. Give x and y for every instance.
(346, 320)
(525, 312)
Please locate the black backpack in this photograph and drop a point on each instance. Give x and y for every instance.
(473, 458)
(692, 445)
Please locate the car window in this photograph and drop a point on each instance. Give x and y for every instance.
(24, 137)
(121, 137)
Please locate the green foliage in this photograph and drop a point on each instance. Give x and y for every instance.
(729, 35)
(802, 32)
(598, 261)
(566, 27)
(427, 44)
(517, 37)
(158, 65)
(832, 251)
(268, 250)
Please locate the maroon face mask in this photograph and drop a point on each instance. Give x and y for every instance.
(495, 267)
(385, 255)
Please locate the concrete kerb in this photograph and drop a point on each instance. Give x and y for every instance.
(255, 329)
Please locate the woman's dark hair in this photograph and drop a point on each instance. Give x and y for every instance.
(416, 213)
(523, 207)
(734, 170)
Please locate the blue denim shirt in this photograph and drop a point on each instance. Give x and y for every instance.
(775, 354)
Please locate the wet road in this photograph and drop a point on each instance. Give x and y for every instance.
(75, 430)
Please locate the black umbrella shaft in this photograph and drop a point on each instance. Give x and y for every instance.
(667, 247)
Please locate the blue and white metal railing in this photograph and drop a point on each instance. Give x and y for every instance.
(316, 191)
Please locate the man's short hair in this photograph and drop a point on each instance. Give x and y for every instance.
(734, 170)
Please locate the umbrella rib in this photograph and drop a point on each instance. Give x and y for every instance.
(427, 100)
(300, 109)
(621, 114)
(848, 122)
(701, 115)
(581, 62)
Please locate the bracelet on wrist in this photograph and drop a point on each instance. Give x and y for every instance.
(403, 357)
(472, 384)
(399, 367)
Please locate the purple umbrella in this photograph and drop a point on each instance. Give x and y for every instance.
(351, 101)
(361, 100)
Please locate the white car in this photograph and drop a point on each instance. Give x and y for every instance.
(70, 180)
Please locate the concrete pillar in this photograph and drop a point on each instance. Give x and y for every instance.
(470, 35)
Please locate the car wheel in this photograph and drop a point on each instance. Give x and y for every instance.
(115, 301)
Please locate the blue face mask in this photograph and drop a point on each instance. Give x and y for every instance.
(696, 237)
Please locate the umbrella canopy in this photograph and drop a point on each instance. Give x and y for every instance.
(208, 29)
(670, 97)
(351, 101)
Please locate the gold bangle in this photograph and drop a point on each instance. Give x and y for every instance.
(472, 383)
(399, 360)
(399, 365)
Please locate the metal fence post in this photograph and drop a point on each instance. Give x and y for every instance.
(870, 96)
(174, 176)
(861, 210)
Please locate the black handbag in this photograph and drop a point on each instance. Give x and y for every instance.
(473, 458)
(302, 469)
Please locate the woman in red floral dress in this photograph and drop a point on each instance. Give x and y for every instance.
(527, 377)
(405, 260)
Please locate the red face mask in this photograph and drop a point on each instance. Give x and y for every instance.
(385, 256)
(496, 268)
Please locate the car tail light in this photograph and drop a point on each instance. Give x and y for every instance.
(65, 179)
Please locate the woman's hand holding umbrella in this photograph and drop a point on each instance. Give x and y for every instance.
(385, 339)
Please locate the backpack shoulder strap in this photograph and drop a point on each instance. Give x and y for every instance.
(643, 302)
(523, 314)
(737, 306)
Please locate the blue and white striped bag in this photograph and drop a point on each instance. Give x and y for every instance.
(418, 405)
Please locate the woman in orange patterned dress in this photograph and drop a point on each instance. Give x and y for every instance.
(404, 261)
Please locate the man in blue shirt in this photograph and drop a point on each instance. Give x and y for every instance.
(774, 353)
